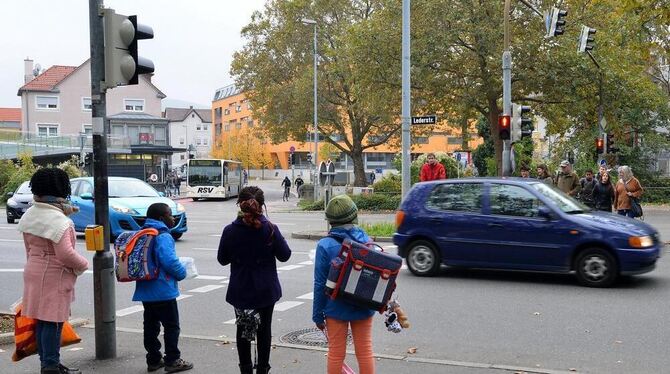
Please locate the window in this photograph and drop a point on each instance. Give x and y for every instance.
(454, 140)
(217, 113)
(87, 129)
(47, 131)
(134, 134)
(182, 157)
(238, 108)
(420, 140)
(85, 187)
(205, 127)
(46, 102)
(198, 141)
(248, 104)
(510, 200)
(238, 125)
(160, 137)
(198, 126)
(217, 129)
(86, 105)
(133, 105)
(117, 131)
(226, 111)
(460, 197)
(181, 140)
(226, 127)
(250, 123)
(205, 141)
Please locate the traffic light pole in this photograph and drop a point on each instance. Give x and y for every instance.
(103, 261)
(601, 129)
(507, 91)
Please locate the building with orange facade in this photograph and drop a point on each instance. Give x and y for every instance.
(232, 115)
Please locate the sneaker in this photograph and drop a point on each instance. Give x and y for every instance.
(66, 370)
(179, 365)
(50, 370)
(156, 366)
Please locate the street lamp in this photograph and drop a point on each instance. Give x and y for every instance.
(307, 21)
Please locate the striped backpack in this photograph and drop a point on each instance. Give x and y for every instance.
(135, 256)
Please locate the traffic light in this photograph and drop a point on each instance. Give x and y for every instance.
(309, 157)
(600, 146)
(504, 127)
(522, 124)
(610, 144)
(555, 22)
(122, 63)
(586, 39)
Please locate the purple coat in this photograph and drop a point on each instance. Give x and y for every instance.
(251, 254)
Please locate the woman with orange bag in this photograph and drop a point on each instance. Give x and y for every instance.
(52, 264)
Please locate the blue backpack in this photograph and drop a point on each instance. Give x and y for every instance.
(136, 256)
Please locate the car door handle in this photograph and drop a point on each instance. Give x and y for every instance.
(497, 225)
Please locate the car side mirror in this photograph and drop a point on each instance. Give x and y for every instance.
(10, 194)
(545, 213)
(161, 194)
(86, 196)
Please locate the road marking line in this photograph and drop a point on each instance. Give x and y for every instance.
(290, 267)
(215, 235)
(182, 297)
(286, 305)
(285, 223)
(225, 282)
(128, 311)
(306, 263)
(390, 246)
(230, 321)
(211, 277)
(205, 249)
(207, 288)
(307, 296)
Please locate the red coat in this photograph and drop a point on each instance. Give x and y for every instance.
(432, 172)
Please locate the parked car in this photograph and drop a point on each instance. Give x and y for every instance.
(129, 199)
(517, 224)
(19, 201)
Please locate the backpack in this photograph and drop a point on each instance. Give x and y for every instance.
(136, 256)
(363, 275)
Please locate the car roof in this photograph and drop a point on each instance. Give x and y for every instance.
(109, 178)
(514, 180)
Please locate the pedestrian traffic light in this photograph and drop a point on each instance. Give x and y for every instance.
(611, 148)
(586, 39)
(555, 22)
(600, 146)
(522, 124)
(504, 127)
(309, 157)
(123, 65)
(290, 159)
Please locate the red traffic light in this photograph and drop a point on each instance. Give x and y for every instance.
(600, 145)
(504, 127)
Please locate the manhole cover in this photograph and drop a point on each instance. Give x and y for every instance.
(312, 337)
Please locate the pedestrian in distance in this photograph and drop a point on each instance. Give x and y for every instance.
(159, 296)
(335, 317)
(373, 177)
(543, 174)
(603, 194)
(432, 170)
(298, 183)
(601, 170)
(52, 265)
(286, 183)
(587, 186)
(524, 171)
(251, 245)
(626, 188)
(567, 180)
(177, 185)
(245, 176)
(168, 185)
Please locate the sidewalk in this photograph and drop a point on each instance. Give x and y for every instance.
(216, 355)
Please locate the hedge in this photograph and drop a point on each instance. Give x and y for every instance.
(373, 202)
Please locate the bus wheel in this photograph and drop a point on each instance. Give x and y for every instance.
(195, 198)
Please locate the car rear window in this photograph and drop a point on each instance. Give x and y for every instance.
(460, 197)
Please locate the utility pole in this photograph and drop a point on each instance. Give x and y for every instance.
(406, 98)
(104, 300)
(316, 118)
(507, 90)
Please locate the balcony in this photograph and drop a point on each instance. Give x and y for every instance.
(13, 142)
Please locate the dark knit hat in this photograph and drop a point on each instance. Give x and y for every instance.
(341, 210)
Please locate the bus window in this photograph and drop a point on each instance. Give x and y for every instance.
(204, 173)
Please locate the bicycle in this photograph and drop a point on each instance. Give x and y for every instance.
(287, 193)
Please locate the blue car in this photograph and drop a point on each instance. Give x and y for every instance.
(129, 199)
(519, 224)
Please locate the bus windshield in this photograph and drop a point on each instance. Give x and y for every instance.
(204, 173)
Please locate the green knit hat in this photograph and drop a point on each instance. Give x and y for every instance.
(341, 210)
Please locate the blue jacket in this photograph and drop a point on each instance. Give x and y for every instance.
(170, 269)
(251, 253)
(326, 250)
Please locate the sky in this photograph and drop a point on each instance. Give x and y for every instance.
(193, 43)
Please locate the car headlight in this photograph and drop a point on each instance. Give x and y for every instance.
(180, 208)
(123, 209)
(11, 203)
(640, 241)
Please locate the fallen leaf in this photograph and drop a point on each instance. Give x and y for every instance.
(411, 350)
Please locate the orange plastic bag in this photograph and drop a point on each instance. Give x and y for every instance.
(25, 337)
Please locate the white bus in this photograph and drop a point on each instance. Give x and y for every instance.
(213, 179)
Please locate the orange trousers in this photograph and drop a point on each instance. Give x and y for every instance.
(361, 332)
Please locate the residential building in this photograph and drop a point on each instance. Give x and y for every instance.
(231, 112)
(10, 119)
(190, 129)
(57, 103)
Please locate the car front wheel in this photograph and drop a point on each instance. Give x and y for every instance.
(423, 259)
(10, 220)
(596, 267)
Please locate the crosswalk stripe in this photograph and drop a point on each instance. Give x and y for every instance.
(203, 289)
(307, 296)
(286, 305)
(289, 267)
(211, 277)
(306, 263)
(130, 310)
(230, 321)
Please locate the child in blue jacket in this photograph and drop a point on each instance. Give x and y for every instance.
(159, 296)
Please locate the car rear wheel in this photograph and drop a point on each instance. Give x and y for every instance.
(10, 220)
(423, 259)
(177, 235)
(595, 267)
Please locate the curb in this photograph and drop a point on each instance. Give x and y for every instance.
(318, 235)
(8, 337)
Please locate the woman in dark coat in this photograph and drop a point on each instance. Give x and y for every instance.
(251, 245)
(603, 194)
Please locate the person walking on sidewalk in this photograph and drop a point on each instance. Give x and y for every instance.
(159, 296)
(603, 194)
(251, 245)
(627, 187)
(567, 180)
(432, 170)
(334, 317)
(298, 183)
(52, 265)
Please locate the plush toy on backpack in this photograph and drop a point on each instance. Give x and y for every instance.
(396, 319)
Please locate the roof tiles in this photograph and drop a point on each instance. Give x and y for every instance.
(48, 80)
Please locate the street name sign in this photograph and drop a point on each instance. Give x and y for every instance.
(424, 120)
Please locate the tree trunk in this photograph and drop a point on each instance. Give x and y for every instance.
(465, 131)
(497, 143)
(360, 179)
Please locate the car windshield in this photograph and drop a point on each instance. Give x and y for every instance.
(131, 188)
(24, 189)
(564, 202)
(205, 173)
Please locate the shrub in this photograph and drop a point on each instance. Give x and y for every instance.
(373, 202)
(71, 167)
(24, 172)
(390, 184)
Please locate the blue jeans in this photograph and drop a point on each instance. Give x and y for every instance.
(48, 342)
(167, 314)
(625, 212)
